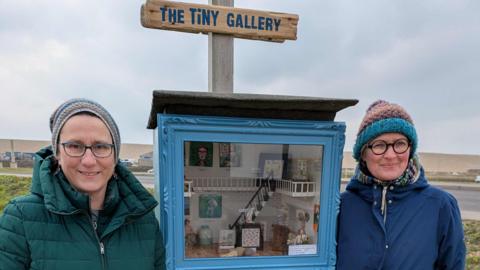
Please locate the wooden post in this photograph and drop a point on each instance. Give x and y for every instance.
(223, 23)
(220, 58)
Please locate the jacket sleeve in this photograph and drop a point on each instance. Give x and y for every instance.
(14, 252)
(159, 250)
(452, 251)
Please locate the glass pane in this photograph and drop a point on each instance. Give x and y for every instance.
(246, 199)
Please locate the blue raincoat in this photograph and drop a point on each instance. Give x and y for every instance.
(422, 228)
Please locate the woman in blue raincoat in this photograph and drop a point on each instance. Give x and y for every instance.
(390, 217)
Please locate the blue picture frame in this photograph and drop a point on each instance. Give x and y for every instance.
(170, 137)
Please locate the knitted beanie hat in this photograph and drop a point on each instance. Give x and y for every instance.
(78, 105)
(384, 117)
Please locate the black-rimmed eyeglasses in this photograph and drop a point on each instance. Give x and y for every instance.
(380, 147)
(99, 150)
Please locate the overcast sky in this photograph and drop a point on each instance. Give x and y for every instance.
(424, 55)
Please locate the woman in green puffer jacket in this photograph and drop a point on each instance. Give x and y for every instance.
(85, 210)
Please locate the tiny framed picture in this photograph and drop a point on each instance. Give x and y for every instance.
(272, 166)
(273, 169)
(301, 170)
(230, 154)
(227, 238)
(201, 154)
(210, 206)
(250, 237)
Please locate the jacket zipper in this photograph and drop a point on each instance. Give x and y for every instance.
(100, 243)
(383, 208)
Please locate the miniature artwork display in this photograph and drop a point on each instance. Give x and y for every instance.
(273, 165)
(230, 154)
(301, 169)
(226, 240)
(210, 206)
(273, 169)
(253, 206)
(246, 181)
(251, 237)
(201, 154)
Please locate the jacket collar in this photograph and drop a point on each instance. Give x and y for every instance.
(125, 195)
(365, 190)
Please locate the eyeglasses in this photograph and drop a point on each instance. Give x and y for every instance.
(380, 147)
(99, 150)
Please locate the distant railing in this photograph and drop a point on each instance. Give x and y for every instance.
(287, 187)
(224, 183)
(296, 189)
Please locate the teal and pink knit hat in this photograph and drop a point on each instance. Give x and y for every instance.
(384, 117)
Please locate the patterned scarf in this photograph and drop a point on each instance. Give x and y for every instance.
(410, 175)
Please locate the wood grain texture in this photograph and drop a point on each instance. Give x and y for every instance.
(198, 18)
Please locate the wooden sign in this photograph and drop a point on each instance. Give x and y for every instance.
(241, 23)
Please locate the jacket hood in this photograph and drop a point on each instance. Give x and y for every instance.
(125, 195)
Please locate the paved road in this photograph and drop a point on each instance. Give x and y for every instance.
(469, 202)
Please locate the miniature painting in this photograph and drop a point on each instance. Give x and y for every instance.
(201, 154)
(250, 237)
(227, 238)
(273, 169)
(229, 154)
(210, 206)
(272, 165)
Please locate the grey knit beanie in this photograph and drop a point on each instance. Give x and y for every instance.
(78, 105)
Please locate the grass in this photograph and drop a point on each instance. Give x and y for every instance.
(472, 239)
(16, 170)
(12, 186)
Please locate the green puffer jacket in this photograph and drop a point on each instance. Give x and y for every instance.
(52, 229)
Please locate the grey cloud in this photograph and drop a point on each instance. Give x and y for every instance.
(422, 55)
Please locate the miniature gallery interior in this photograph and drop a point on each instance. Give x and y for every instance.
(248, 199)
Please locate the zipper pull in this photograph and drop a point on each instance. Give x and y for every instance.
(95, 225)
(102, 248)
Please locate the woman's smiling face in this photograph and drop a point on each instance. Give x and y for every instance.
(389, 165)
(88, 174)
